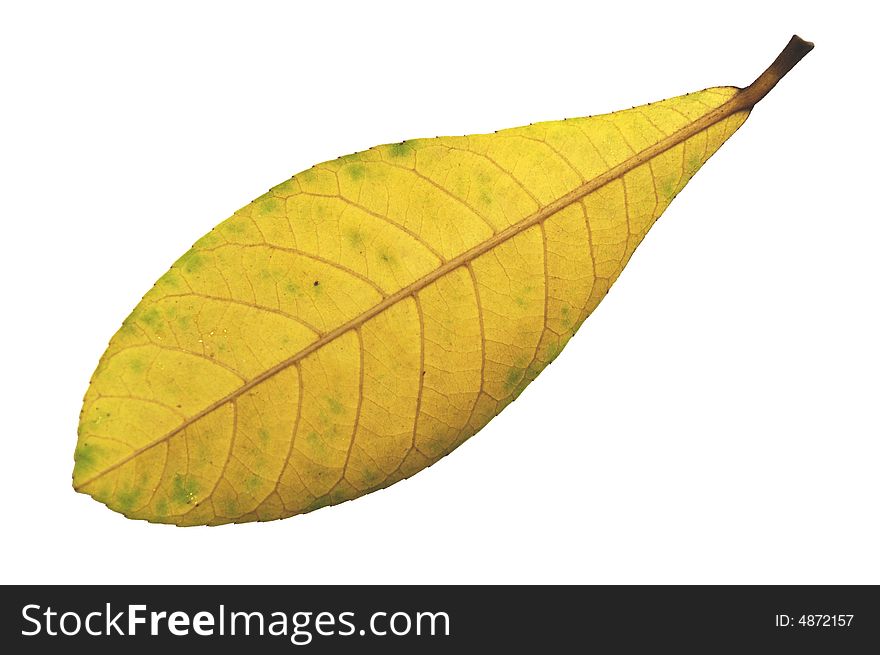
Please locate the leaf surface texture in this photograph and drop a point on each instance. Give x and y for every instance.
(362, 319)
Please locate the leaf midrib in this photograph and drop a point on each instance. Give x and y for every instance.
(742, 100)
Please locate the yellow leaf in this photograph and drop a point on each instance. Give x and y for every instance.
(362, 319)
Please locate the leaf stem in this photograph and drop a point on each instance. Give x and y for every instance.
(796, 49)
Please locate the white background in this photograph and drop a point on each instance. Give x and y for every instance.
(715, 420)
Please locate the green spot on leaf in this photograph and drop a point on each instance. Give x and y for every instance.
(268, 205)
(566, 316)
(371, 476)
(514, 375)
(387, 257)
(151, 317)
(184, 489)
(128, 498)
(171, 279)
(399, 149)
(84, 456)
(231, 507)
(335, 406)
(191, 261)
(234, 226)
(315, 442)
